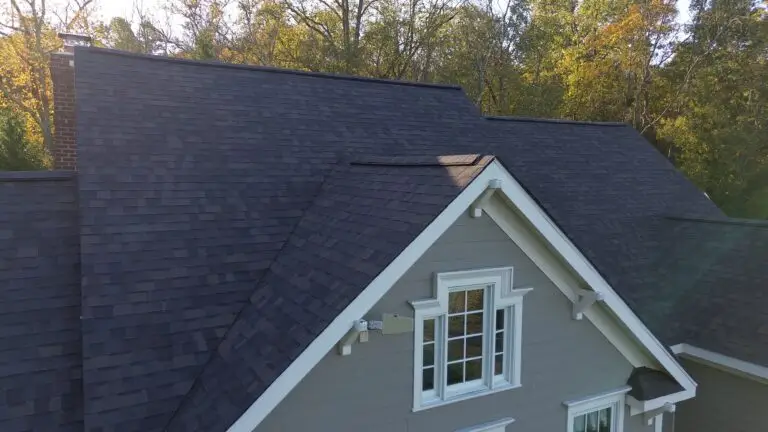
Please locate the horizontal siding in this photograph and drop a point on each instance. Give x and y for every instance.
(372, 389)
(723, 402)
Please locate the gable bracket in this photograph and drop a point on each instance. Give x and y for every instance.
(476, 209)
(586, 300)
(359, 331)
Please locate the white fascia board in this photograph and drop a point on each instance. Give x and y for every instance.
(723, 362)
(537, 217)
(532, 212)
(537, 251)
(316, 350)
(640, 407)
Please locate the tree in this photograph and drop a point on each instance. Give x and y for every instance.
(119, 34)
(716, 109)
(17, 153)
(27, 38)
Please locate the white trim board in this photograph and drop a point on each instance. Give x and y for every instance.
(529, 209)
(537, 217)
(722, 362)
(612, 399)
(544, 259)
(316, 350)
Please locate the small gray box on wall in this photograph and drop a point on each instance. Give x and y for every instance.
(395, 324)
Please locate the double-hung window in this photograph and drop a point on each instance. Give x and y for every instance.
(602, 413)
(467, 338)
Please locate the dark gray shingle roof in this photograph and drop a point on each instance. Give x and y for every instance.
(192, 177)
(329, 259)
(714, 286)
(40, 359)
(201, 186)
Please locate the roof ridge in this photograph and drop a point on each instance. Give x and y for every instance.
(756, 223)
(554, 121)
(418, 161)
(268, 69)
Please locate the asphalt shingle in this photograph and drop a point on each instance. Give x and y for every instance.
(711, 286)
(40, 374)
(326, 263)
(201, 187)
(192, 177)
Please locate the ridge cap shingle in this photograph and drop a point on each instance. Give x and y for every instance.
(267, 69)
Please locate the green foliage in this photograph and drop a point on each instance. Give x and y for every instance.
(718, 123)
(17, 153)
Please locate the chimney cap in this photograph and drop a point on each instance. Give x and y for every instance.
(72, 39)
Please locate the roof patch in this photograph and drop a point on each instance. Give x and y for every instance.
(266, 69)
(419, 161)
(554, 121)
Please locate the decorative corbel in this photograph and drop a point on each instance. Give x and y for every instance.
(476, 209)
(359, 331)
(586, 300)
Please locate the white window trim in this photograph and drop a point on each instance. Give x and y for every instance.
(503, 296)
(613, 399)
(494, 426)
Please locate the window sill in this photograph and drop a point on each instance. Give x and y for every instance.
(466, 396)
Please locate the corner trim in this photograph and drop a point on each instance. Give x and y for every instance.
(723, 362)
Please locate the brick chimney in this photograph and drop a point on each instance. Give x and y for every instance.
(62, 65)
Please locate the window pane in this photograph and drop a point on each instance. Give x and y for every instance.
(429, 330)
(428, 379)
(475, 299)
(455, 349)
(456, 302)
(499, 342)
(605, 420)
(474, 346)
(455, 373)
(456, 326)
(579, 423)
(474, 369)
(500, 314)
(498, 364)
(475, 323)
(429, 354)
(592, 422)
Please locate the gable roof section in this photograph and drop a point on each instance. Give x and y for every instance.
(608, 190)
(503, 183)
(363, 217)
(192, 177)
